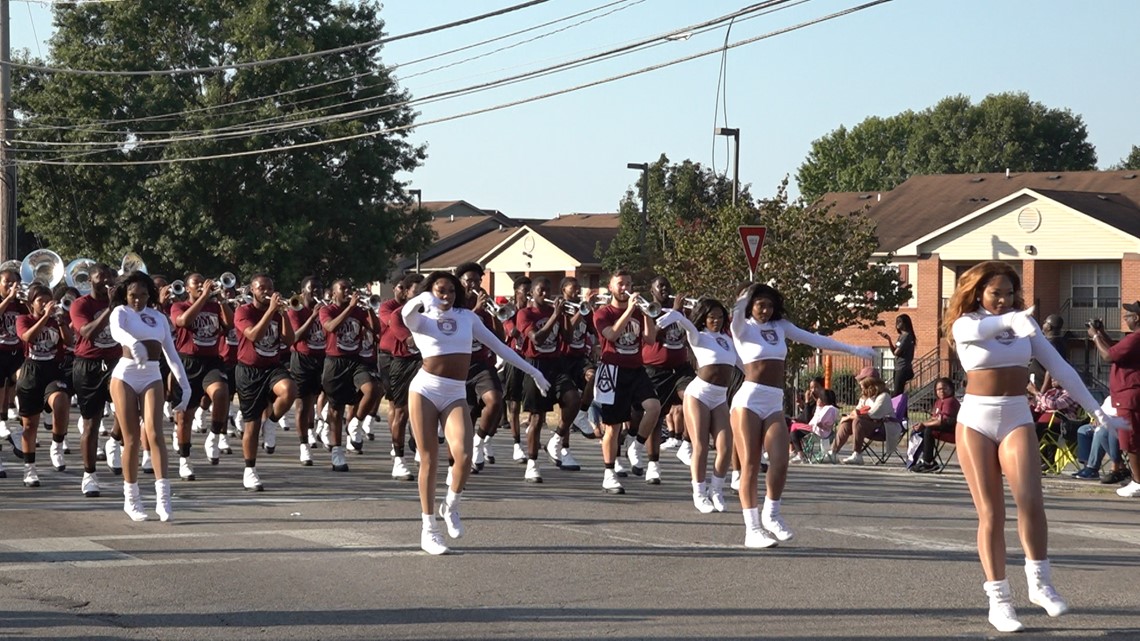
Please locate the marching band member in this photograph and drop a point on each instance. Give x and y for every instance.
(512, 379)
(543, 328)
(344, 379)
(263, 385)
(706, 396)
(137, 385)
(41, 381)
(366, 406)
(443, 329)
(577, 348)
(403, 361)
(483, 385)
(667, 364)
(200, 324)
(995, 337)
(307, 361)
(11, 353)
(760, 333)
(621, 385)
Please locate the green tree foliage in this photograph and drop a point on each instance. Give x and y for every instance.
(1131, 161)
(334, 209)
(1003, 131)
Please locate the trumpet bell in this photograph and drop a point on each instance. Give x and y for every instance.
(228, 280)
(78, 275)
(178, 288)
(132, 262)
(42, 266)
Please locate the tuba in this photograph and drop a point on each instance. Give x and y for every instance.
(42, 266)
(78, 274)
(132, 262)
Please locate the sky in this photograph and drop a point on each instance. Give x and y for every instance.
(569, 153)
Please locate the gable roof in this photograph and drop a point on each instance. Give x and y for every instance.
(580, 234)
(472, 250)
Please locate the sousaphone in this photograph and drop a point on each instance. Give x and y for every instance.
(42, 266)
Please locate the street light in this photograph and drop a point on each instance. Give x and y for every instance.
(643, 167)
(419, 205)
(735, 134)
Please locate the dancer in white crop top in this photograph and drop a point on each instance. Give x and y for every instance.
(705, 404)
(438, 394)
(761, 332)
(995, 338)
(136, 386)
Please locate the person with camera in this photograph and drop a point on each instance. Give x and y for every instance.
(1124, 386)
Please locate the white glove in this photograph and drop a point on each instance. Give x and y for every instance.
(668, 318)
(541, 382)
(139, 353)
(185, 400)
(865, 353)
(1022, 323)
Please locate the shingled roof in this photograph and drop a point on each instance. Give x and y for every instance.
(580, 234)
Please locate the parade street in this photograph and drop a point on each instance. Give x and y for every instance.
(878, 553)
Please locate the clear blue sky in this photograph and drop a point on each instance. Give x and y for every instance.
(569, 153)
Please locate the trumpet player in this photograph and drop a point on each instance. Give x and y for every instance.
(344, 379)
(307, 360)
(11, 354)
(484, 389)
(41, 382)
(512, 378)
(399, 355)
(577, 350)
(264, 387)
(667, 364)
(200, 325)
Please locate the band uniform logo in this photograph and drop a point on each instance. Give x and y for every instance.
(770, 336)
(348, 335)
(607, 378)
(1006, 338)
(148, 321)
(447, 326)
(723, 342)
(630, 340)
(206, 327)
(267, 346)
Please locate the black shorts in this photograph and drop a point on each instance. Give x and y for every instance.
(669, 384)
(306, 371)
(576, 367)
(554, 369)
(481, 378)
(401, 371)
(632, 388)
(10, 363)
(342, 378)
(255, 389)
(91, 380)
(202, 372)
(38, 381)
(383, 362)
(512, 383)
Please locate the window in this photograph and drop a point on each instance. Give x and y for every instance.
(1096, 285)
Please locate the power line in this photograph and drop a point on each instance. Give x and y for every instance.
(506, 105)
(292, 58)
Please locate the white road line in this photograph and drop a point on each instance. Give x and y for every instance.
(907, 541)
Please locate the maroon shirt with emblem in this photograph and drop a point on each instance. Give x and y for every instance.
(265, 352)
(349, 334)
(48, 344)
(204, 335)
(626, 352)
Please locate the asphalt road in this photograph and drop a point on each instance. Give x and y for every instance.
(879, 553)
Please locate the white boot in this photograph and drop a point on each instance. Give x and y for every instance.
(1041, 592)
(162, 499)
(132, 502)
(1002, 615)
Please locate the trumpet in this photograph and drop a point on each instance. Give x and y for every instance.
(572, 307)
(650, 308)
(177, 289)
(296, 303)
(226, 281)
(503, 312)
(77, 274)
(690, 303)
(369, 300)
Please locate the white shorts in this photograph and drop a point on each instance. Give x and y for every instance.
(439, 391)
(137, 377)
(762, 400)
(994, 416)
(711, 396)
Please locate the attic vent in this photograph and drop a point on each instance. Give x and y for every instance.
(1053, 177)
(979, 199)
(977, 180)
(864, 196)
(1130, 176)
(1102, 196)
(1029, 219)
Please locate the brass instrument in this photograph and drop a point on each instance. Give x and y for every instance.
(77, 274)
(504, 312)
(178, 288)
(690, 303)
(652, 309)
(132, 262)
(225, 282)
(572, 307)
(296, 303)
(10, 265)
(369, 300)
(42, 266)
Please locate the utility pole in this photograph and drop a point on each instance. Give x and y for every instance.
(643, 167)
(7, 168)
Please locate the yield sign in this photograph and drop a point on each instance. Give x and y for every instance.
(752, 236)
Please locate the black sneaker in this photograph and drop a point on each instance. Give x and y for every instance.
(1116, 477)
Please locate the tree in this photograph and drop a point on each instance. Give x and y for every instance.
(1003, 131)
(1131, 161)
(334, 209)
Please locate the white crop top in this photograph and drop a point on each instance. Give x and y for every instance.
(130, 328)
(439, 332)
(708, 348)
(987, 341)
(769, 341)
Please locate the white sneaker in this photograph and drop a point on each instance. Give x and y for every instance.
(716, 497)
(759, 538)
(478, 458)
(56, 455)
(774, 523)
(269, 435)
(147, 465)
(167, 412)
(450, 516)
(610, 483)
(488, 451)
(1047, 597)
(450, 475)
(671, 443)
(355, 432)
(685, 453)
(797, 459)
(4, 431)
(519, 455)
(856, 458)
(197, 425)
(90, 485)
(366, 427)
(213, 450)
(306, 455)
(532, 474)
(103, 431)
(66, 447)
(224, 444)
(114, 456)
(283, 423)
(400, 472)
(3, 472)
(251, 481)
(636, 455)
(653, 474)
(619, 469)
(174, 440)
(1004, 618)
(132, 503)
(431, 541)
(416, 456)
(831, 457)
(703, 503)
(735, 482)
(554, 449)
(185, 469)
(1130, 491)
(569, 463)
(13, 415)
(31, 479)
(339, 462)
(162, 500)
